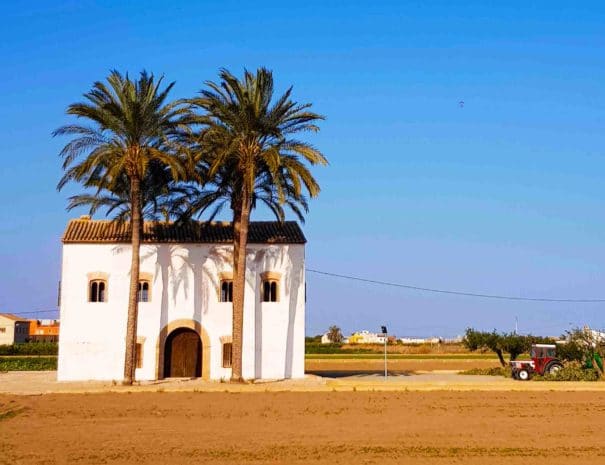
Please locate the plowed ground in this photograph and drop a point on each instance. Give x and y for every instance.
(474, 428)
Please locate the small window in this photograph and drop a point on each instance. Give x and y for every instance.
(226, 290)
(97, 291)
(2, 330)
(143, 291)
(227, 354)
(139, 355)
(270, 288)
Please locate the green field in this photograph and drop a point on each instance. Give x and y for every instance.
(28, 363)
(377, 356)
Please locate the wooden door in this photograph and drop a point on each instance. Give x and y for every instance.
(183, 354)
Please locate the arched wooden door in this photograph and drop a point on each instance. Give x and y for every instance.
(183, 354)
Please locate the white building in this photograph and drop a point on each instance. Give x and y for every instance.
(366, 337)
(185, 309)
(13, 329)
(420, 340)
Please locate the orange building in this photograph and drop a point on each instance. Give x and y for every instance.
(44, 330)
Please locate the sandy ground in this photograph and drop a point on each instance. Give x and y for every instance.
(474, 428)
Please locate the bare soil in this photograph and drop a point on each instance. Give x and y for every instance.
(474, 428)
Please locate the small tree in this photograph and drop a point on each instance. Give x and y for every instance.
(500, 343)
(335, 335)
(584, 346)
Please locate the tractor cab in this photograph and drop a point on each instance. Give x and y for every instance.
(543, 360)
(544, 355)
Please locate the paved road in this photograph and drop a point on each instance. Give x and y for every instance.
(36, 383)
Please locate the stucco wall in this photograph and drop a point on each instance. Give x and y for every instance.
(185, 281)
(14, 331)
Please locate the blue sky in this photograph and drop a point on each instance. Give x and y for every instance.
(504, 195)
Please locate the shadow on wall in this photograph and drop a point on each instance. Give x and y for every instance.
(180, 269)
(269, 259)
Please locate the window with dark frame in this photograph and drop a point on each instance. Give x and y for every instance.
(227, 354)
(270, 290)
(97, 289)
(143, 291)
(226, 290)
(139, 355)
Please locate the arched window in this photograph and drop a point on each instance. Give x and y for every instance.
(270, 290)
(226, 290)
(97, 290)
(143, 291)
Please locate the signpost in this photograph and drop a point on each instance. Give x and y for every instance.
(384, 333)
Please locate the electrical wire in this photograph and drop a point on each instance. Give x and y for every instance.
(460, 293)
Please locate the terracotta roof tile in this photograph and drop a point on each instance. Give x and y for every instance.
(105, 231)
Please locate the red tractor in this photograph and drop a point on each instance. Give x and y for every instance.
(543, 360)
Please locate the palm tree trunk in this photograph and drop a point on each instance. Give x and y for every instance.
(241, 222)
(133, 304)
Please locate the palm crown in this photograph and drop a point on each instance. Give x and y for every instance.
(246, 141)
(132, 125)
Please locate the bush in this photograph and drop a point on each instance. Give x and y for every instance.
(496, 371)
(572, 371)
(30, 348)
(28, 363)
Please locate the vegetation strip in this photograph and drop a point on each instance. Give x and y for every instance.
(28, 363)
(401, 356)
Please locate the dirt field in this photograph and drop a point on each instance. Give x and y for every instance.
(303, 428)
(352, 366)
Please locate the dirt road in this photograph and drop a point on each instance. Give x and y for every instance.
(475, 428)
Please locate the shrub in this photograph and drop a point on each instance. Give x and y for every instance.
(30, 348)
(572, 371)
(496, 371)
(28, 363)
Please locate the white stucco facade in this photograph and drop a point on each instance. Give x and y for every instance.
(185, 292)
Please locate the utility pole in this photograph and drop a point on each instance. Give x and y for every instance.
(516, 325)
(384, 334)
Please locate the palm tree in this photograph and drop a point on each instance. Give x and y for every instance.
(334, 334)
(159, 194)
(130, 133)
(248, 153)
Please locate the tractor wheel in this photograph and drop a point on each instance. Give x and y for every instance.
(523, 375)
(553, 368)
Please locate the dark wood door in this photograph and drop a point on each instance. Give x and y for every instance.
(183, 354)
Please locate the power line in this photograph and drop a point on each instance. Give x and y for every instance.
(460, 293)
(35, 312)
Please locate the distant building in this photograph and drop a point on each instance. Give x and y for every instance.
(44, 330)
(13, 329)
(420, 340)
(366, 337)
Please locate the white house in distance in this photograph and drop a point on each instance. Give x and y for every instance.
(185, 293)
(13, 329)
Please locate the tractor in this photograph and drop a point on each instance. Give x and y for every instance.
(543, 360)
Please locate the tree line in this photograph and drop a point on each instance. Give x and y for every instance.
(579, 345)
(139, 155)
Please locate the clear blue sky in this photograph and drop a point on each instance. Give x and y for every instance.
(504, 195)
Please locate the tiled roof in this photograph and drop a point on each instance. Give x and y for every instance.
(10, 316)
(104, 231)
